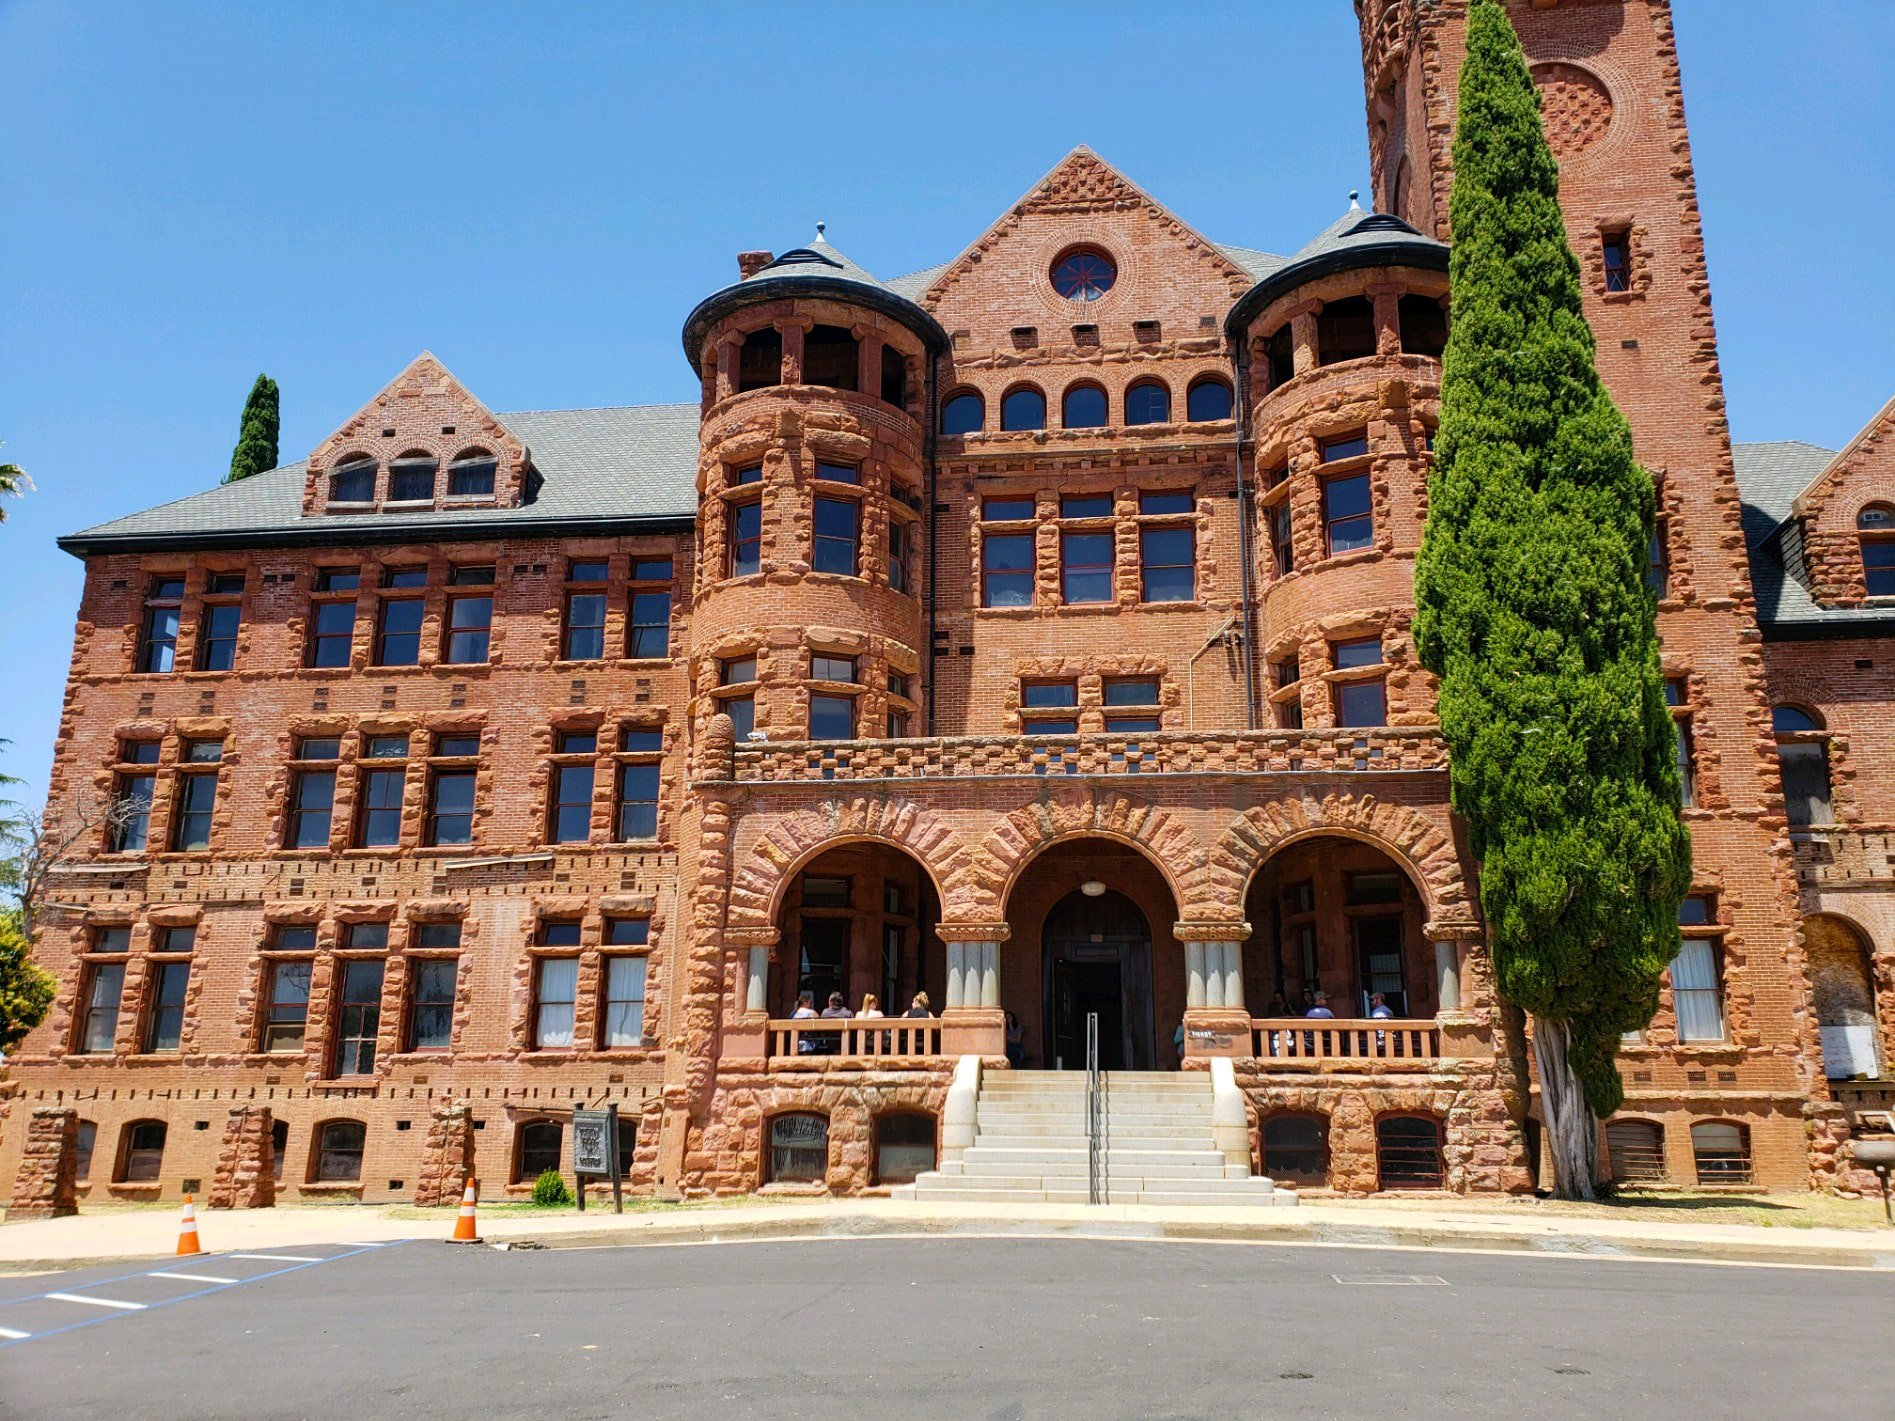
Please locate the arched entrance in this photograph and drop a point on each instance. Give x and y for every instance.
(1096, 951)
(858, 920)
(1842, 984)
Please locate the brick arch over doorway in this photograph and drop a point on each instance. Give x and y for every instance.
(1032, 829)
(757, 890)
(1424, 848)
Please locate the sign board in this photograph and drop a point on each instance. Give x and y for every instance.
(594, 1148)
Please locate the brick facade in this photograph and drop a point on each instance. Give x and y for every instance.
(554, 787)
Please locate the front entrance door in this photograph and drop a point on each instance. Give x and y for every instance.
(1098, 959)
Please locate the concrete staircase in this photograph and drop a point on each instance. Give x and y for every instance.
(1030, 1145)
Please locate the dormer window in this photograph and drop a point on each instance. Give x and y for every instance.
(471, 475)
(353, 480)
(411, 478)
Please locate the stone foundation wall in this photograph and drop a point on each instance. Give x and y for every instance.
(45, 1185)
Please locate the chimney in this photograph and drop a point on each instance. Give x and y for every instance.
(750, 263)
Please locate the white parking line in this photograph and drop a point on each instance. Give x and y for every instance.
(279, 1257)
(193, 1277)
(96, 1302)
(12, 1335)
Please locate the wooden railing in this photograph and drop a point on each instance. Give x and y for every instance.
(894, 1038)
(1317, 1039)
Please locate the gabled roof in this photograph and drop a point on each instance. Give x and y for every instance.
(1769, 478)
(624, 466)
(1354, 240)
(814, 270)
(1878, 423)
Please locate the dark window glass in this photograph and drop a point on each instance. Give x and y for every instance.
(104, 990)
(822, 891)
(353, 482)
(736, 670)
(1023, 409)
(1086, 505)
(1147, 403)
(1056, 694)
(1347, 446)
(1618, 266)
(287, 1016)
(1007, 510)
(313, 804)
(898, 555)
(832, 717)
(623, 1020)
(457, 745)
(217, 637)
(196, 795)
(539, 1144)
(898, 724)
(1165, 501)
(405, 577)
(1296, 1150)
(431, 1001)
(451, 811)
(398, 641)
(332, 634)
(838, 526)
(1084, 275)
(572, 804)
(1346, 518)
(799, 1150)
(139, 752)
(963, 414)
(471, 475)
(1007, 570)
(1361, 703)
(838, 473)
(182, 939)
(131, 818)
(832, 668)
(203, 752)
(158, 647)
(1792, 720)
(1083, 408)
(1378, 944)
(585, 626)
(746, 538)
(638, 800)
(1282, 544)
(437, 934)
(647, 741)
(1657, 563)
(381, 809)
(894, 376)
(469, 626)
(1878, 566)
(1166, 569)
(651, 569)
(386, 747)
(760, 361)
(559, 932)
(338, 579)
(742, 711)
(144, 1152)
(1135, 691)
(749, 474)
(117, 939)
(1208, 399)
(1365, 652)
(360, 1017)
(831, 357)
(1085, 567)
(364, 935)
(339, 1151)
(411, 481)
(88, 1139)
(576, 742)
(627, 932)
(592, 571)
(1131, 725)
(904, 1146)
(651, 625)
(325, 747)
(1057, 725)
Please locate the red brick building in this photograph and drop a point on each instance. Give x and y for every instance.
(1031, 632)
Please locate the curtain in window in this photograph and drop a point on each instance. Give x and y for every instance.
(1694, 992)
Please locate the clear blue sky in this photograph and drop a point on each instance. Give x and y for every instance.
(196, 193)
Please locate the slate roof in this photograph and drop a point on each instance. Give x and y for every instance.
(1769, 477)
(1356, 239)
(630, 465)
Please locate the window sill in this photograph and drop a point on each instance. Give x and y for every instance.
(135, 1191)
(331, 1190)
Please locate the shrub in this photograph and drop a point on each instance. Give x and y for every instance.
(549, 1189)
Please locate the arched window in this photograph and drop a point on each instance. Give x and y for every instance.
(1208, 399)
(1803, 756)
(1424, 326)
(798, 1150)
(904, 1146)
(353, 480)
(1083, 408)
(1876, 523)
(1345, 330)
(411, 477)
(894, 377)
(964, 413)
(1637, 1148)
(1023, 408)
(471, 474)
(830, 358)
(1408, 1152)
(760, 360)
(1147, 402)
(1296, 1149)
(1722, 1151)
(339, 1151)
(141, 1154)
(82, 1152)
(538, 1150)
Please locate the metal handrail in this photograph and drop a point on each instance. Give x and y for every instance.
(1095, 1114)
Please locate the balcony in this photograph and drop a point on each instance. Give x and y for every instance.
(1387, 1043)
(885, 1042)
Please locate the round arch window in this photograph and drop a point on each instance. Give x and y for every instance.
(963, 413)
(1147, 402)
(1083, 408)
(1084, 275)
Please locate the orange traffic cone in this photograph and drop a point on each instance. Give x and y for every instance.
(464, 1229)
(187, 1230)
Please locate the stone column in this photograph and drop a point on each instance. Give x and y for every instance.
(1388, 324)
(792, 333)
(447, 1156)
(868, 362)
(1195, 991)
(1216, 1020)
(746, 1024)
(757, 981)
(246, 1163)
(973, 1022)
(1447, 974)
(727, 356)
(47, 1185)
(1464, 1017)
(1303, 340)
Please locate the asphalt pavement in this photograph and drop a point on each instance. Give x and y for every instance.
(915, 1328)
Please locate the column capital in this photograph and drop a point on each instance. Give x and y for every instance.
(1210, 932)
(972, 932)
(1451, 932)
(753, 937)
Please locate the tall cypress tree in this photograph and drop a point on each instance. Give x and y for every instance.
(1534, 614)
(256, 437)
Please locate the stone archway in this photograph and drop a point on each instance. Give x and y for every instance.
(1076, 814)
(1842, 988)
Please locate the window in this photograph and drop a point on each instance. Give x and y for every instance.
(1803, 755)
(1006, 572)
(640, 754)
(1721, 1151)
(1084, 275)
(398, 635)
(451, 773)
(1279, 354)
(964, 413)
(1131, 691)
(900, 724)
(286, 1017)
(1085, 567)
(838, 533)
(1408, 1152)
(1085, 505)
(1022, 409)
(469, 617)
(1424, 326)
(1359, 702)
(824, 892)
(196, 796)
(900, 537)
(105, 985)
(1206, 400)
(623, 1021)
(824, 667)
(1345, 446)
(1677, 698)
(1147, 402)
(1007, 510)
(830, 357)
(1040, 695)
(760, 360)
(1083, 407)
(1282, 549)
(313, 793)
(471, 475)
(1345, 330)
(1378, 945)
(431, 984)
(1288, 675)
(744, 555)
(339, 1151)
(1616, 249)
(82, 1152)
(1658, 561)
(353, 481)
(1296, 1150)
(894, 377)
(1877, 526)
(1696, 994)
(838, 473)
(332, 617)
(1347, 521)
(831, 717)
(361, 1014)
(539, 1150)
(164, 1021)
(555, 989)
(158, 640)
(379, 822)
(217, 625)
(143, 1154)
(583, 637)
(1637, 1150)
(651, 608)
(1165, 501)
(1167, 572)
(904, 1146)
(411, 479)
(799, 1150)
(569, 818)
(128, 830)
(1131, 725)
